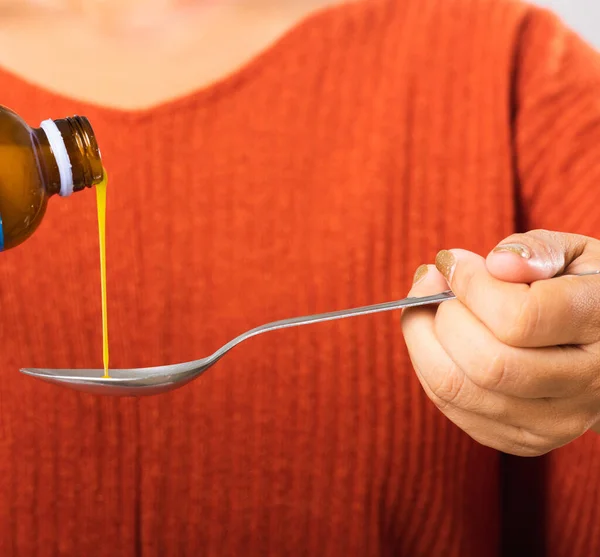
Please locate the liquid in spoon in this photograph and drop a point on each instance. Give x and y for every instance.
(101, 204)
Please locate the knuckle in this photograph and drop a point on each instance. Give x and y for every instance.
(493, 408)
(528, 444)
(448, 390)
(568, 429)
(526, 451)
(493, 376)
(520, 321)
(518, 444)
(560, 426)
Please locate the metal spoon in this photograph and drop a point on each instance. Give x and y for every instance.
(160, 379)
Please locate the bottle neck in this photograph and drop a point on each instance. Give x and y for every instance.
(70, 155)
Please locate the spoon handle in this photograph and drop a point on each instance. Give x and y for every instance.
(330, 316)
(341, 314)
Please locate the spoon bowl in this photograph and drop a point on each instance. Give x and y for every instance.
(121, 382)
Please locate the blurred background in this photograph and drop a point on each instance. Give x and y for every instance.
(583, 15)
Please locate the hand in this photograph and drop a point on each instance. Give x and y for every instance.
(513, 362)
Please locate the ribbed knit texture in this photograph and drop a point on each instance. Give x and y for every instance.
(316, 178)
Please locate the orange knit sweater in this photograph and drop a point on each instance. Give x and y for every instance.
(318, 177)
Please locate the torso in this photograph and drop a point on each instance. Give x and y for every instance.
(318, 178)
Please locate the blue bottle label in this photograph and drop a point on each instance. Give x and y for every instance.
(1, 235)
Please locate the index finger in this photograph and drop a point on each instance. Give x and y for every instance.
(561, 310)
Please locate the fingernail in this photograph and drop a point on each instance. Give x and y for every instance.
(445, 263)
(518, 249)
(420, 273)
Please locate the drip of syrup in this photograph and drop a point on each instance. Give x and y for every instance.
(101, 204)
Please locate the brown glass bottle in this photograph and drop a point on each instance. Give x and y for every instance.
(58, 158)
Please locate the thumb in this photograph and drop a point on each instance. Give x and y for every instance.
(541, 254)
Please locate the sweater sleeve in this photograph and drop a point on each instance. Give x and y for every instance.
(557, 127)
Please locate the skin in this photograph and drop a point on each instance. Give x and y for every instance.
(139, 53)
(516, 366)
(514, 361)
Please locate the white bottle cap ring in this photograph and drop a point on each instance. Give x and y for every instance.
(58, 147)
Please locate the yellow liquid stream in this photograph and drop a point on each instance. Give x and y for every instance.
(101, 204)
